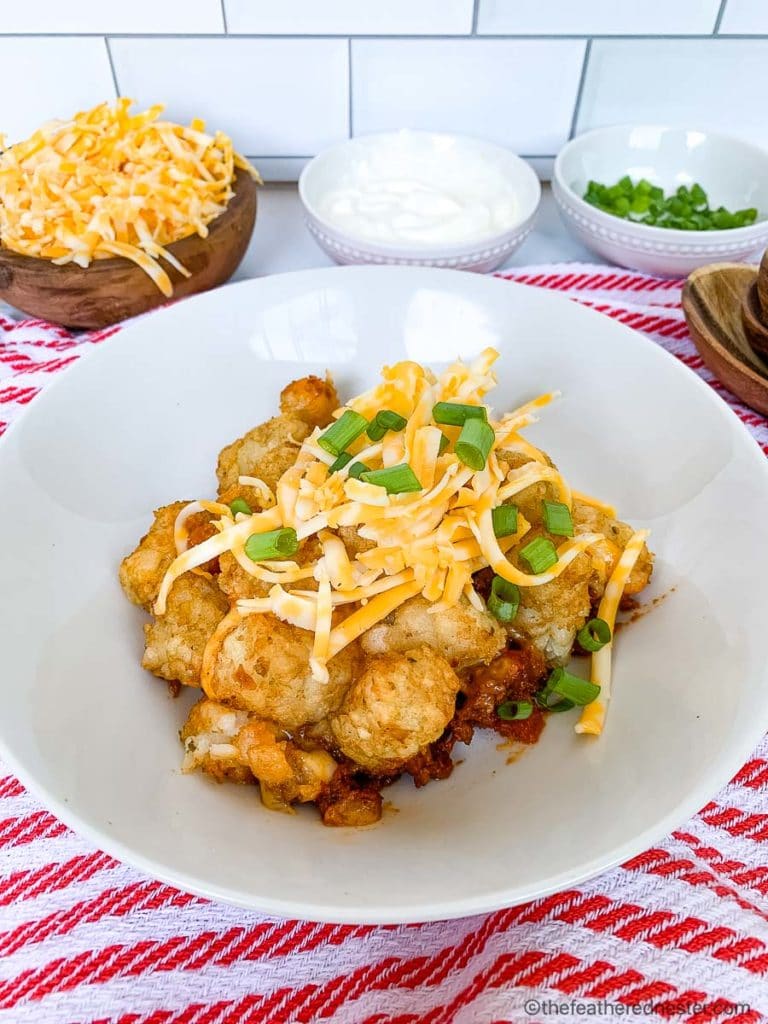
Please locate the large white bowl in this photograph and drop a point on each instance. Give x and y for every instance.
(733, 173)
(139, 421)
(327, 169)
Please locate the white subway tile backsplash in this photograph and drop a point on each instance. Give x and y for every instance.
(598, 17)
(350, 17)
(280, 168)
(275, 97)
(747, 16)
(518, 93)
(50, 77)
(96, 16)
(276, 74)
(706, 83)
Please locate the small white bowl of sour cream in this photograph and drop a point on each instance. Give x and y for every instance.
(419, 198)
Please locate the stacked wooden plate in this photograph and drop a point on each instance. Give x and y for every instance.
(726, 306)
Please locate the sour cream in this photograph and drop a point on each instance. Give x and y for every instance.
(421, 189)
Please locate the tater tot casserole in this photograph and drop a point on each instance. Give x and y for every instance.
(373, 583)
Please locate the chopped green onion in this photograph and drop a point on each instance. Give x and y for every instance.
(474, 443)
(343, 432)
(687, 209)
(557, 518)
(444, 443)
(397, 479)
(357, 469)
(504, 599)
(577, 692)
(559, 705)
(240, 505)
(540, 555)
(514, 710)
(384, 421)
(343, 460)
(594, 635)
(456, 415)
(275, 544)
(504, 520)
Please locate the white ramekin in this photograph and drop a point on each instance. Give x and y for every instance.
(323, 172)
(733, 173)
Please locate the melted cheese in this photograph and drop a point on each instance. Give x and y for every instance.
(261, 522)
(337, 563)
(291, 608)
(323, 619)
(180, 532)
(424, 455)
(377, 609)
(429, 542)
(266, 494)
(515, 443)
(111, 183)
(601, 506)
(367, 494)
(495, 557)
(593, 716)
(268, 572)
(532, 473)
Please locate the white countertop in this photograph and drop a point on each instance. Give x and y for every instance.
(281, 242)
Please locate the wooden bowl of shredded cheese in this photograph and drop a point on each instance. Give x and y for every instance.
(112, 213)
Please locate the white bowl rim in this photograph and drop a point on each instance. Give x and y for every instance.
(427, 250)
(697, 796)
(676, 235)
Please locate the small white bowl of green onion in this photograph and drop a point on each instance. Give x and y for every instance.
(664, 200)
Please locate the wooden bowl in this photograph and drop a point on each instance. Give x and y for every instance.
(762, 287)
(754, 328)
(114, 289)
(713, 297)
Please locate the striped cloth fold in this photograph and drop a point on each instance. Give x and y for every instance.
(679, 933)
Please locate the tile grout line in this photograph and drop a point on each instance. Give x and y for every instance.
(112, 66)
(719, 18)
(580, 89)
(475, 17)
(310, 156)
(224, 17)
(350, 109)
(395, 37)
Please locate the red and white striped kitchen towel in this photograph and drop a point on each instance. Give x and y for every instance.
(679, 933)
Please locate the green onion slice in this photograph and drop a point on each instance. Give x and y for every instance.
(557, 518)
(275, 544)
(540, 555)
(347, 428)
(474, 443)
(444, 443)
(357, 469)
(240, 505)
(384, 421)
(504, 599)
(397, 479)
(559, 706)
(504, 520)
(515, 710)
(594, 635)
(577, 692)
(456, 415)
(343, 460)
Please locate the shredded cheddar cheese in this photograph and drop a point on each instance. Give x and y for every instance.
(593, 716)
(428, 541)
(111, 183)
